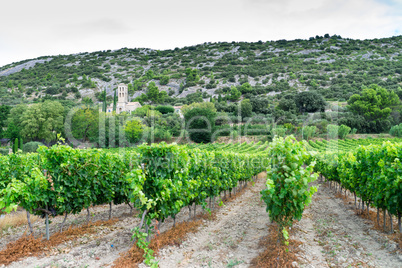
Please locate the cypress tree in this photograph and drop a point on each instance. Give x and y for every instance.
(114, 101)
(104, 101)
(15, 146)
(21, 144)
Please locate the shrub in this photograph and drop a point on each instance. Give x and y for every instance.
(343, 131)
(31, 147)
(279, 131)
(134, 129)
(164, 80)
(332, 131)
(15, 146)
(157, 134)
(309, 132)
(3, 151)
(396, 131)
(165, 109)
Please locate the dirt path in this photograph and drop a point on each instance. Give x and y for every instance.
(330, 232)
(231, 239)
(346, 240)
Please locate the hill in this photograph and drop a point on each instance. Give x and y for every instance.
(334, 66)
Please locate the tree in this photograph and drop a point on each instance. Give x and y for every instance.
(154, 95)
(206, 105)
(164, 80)
(104, 105)
(200, 122)
(246, 88)
(4, 112)
(310, 102)
(87, 101)
(287, 104)
(134, 129)
(371, 109)
(130, 89)
(42, 121)
(114, 101)
(246, 109)
(100, 95)
(149, 74)
(374, 103)
(165, 109)
(14, 121)
(192, 76)
(15, 146)
(234, 94)
(142, 111)
(260, 105)
(85, 124)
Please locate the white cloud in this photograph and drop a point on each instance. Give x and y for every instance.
(43, 27)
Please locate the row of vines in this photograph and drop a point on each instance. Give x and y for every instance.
(159, 179)
(372, 173)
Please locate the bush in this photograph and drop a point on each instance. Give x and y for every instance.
(396, 131)
(309, 132)
(279, 131)
(157, 134)
(164, 80)
(343, 131)
(31, 147)
(332, 131)
(134, 129)
(165, 109)
(4, 151)
(200, 122)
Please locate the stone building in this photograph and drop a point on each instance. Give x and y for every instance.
(123, 105)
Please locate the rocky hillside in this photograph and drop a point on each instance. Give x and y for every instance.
(334, 66)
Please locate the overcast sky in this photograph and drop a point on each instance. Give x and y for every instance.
(29, 29)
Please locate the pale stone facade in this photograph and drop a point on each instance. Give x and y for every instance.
(123, 105)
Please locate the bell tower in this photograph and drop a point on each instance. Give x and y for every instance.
(122, 91)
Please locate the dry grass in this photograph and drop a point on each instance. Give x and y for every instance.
(28, 246)
(262, 175)
(172, 237)
(378, 225)
(16, 219)
(276, 254)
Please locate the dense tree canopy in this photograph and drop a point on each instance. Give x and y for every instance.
(374, 103)
(371, 110)
(42, 121)
(310, 102)
(85, 124)
(4, 112)
(134, 129)
(200, 122)
(246, 109)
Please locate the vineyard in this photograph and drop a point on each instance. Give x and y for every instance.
(160, 181)
(369, 169)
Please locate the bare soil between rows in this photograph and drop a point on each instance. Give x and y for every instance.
(330, 234)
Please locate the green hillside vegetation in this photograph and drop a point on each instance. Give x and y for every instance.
(279, 82)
